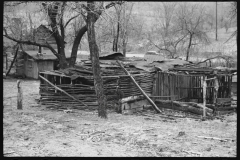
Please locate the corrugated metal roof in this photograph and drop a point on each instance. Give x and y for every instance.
(151, 57)
(110, 55)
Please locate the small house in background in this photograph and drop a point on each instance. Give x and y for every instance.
(42, 34)
(30, 63)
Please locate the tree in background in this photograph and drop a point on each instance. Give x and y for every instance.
(233, 17)
(168, 37)
(58, 15)
(190, 19)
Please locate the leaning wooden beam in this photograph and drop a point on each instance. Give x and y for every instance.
(62, 90)
(145, 95)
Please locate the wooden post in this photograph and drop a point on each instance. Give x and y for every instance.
(19, 95)
(154, 90)
(216, 86)
(204, 85)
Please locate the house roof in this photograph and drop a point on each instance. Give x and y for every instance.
(46, 55)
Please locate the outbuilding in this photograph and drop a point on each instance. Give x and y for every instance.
(30, 63)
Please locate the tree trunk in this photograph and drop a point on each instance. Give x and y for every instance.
(189, 46)
(58, 38)
(117, 37)
(15, 56)
(124, 48)
(115, 40)
(94, 54)
(76, 43)
(62, 58)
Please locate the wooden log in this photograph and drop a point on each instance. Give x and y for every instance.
(133, 80)
(183, 106)
(62, 90)
(19, 95)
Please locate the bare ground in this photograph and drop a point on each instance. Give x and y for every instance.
(40, 131)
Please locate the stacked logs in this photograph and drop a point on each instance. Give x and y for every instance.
(79, 83)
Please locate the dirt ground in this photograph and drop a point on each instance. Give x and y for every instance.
(40, 131)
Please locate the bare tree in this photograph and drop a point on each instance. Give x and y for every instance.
(127, 13)
(165, 13)
(189, 22)
(58, 23)
(233, 17)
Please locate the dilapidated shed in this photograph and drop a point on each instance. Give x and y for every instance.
(30, 63)
(165, 79)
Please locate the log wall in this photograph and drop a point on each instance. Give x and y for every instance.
(82, 88)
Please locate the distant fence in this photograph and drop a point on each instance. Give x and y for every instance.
(171, 86)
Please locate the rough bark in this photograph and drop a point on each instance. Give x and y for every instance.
(94, 54)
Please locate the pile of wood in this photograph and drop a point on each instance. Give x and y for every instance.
(79, 83)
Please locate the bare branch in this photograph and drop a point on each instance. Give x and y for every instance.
(30, 43)
(70, 20)
(223, 57)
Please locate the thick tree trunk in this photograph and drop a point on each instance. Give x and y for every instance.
(76, 43)
(94, 54)
(115, 40)
(58, 38)
(189, 46)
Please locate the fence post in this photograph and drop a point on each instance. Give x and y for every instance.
(204, 85)
(215, 91)
(19, 95)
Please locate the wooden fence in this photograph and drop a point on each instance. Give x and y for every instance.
(171, 86)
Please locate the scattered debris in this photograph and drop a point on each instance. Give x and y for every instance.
(68, 111)
(191, 152)
(215, 138)
(181, 133)
(9, 152)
